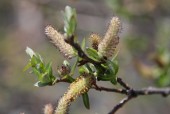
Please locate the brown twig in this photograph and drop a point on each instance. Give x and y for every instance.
(120, 105)
(121, 91)
(122, 83)
(132, 93)
(135, 93)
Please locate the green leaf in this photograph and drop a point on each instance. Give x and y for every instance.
(45, 78)
(89, 68)
(74, 66)
(164, 79)
(69, 21)
(40, 84)
(115, 66)
(86, 100)
(40, 69)
(33, 61)
(27, 66)
(37, 73)
(109, 74)
(93, 54)
(83, 44)
(83, 69)
(70, 79)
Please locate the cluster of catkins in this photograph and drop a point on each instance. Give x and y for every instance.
(105, 46)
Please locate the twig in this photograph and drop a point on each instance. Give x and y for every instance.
(152, 90)
(135, 93)
(120, 105)
(132, 93)
(122, 83)
(121, 91)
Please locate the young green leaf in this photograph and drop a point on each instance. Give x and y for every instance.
(83, 44)
(93, 54)
(83, 69)
(27, 66)
(40, 84)
(69, 21)
(86, 100)
(30, 52)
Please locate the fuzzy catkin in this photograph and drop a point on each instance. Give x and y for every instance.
(58, 40)
(111, 39)
(48, 109)
(80, 86)
(95, 40)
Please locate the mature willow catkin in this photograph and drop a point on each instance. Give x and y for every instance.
(111, 39)
(80, 86)
(58, 40)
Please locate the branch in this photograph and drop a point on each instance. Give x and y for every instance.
(135, 93)
(120, 105)
(123, 84)
(152, 90)
(121, 91)
(131, 93)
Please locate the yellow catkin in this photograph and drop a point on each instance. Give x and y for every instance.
(81, 85)
(95, 40)
(111, 39)
(48, 109)
(58, 40)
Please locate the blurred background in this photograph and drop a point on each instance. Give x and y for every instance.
(145, 29)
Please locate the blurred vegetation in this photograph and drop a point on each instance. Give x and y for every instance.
(145, 29)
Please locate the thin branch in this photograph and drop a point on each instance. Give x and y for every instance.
(121, 91)
(123, 84)
(120, 105)
(152, 90)
(135, 93)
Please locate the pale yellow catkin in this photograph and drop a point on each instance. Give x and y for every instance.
(48, 109)
(111, 39)
(58, 40)
(81, 85)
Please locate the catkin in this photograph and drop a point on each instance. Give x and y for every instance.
(80, 86)
(58, 40)
(111, 39)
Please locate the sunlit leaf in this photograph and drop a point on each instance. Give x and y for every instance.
(30, 52)
(40, 84)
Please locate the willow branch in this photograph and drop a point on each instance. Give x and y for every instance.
(122, 83)
(121, 91)
(120, 104)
